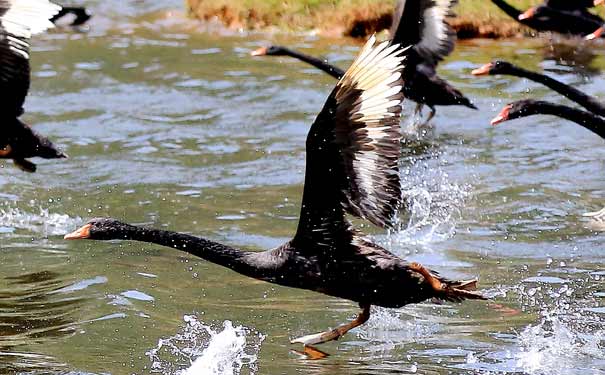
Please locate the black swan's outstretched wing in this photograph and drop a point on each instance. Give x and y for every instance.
(353, 148)
(19, 20)
(423, 24)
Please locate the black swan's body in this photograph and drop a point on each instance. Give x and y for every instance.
(577, 8)
(548, 18)
(18, 21)
(422, 25)
(82, 15)
(353, 150)
(430, 38)
(504, 67)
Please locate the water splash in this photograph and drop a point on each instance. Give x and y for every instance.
(556, 347)
(206, 350)
(49, 224)
(388, 328)
(434, 203)
(569, 337)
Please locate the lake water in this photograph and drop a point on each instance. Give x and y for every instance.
(172, 124)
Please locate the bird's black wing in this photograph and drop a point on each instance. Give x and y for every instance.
(423, 25)
(19, 20)
(353, 149)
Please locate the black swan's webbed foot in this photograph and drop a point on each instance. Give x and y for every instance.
(336, 333)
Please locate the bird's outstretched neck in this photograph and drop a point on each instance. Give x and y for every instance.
(568, 91)
(508, 9)
(314, 61)
(243, 262)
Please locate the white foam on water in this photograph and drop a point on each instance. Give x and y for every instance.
(201, 349)
(44, 222)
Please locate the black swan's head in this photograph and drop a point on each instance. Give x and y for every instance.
(518, 109)
(269, 51)
(597, 33)
(495, 67)
(530, 13)
(101, 229)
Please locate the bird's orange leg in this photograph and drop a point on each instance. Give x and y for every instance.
(432, 280)
(336, 333)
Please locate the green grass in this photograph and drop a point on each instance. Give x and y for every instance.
(483, 8)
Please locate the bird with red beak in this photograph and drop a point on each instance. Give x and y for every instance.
(530, 13)
(598, 32)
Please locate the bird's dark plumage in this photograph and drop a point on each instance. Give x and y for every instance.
(422, 26)
(504, 67)
(352, 168)
(19, 20)
(548, 18)
(529, 107)
(82, 15)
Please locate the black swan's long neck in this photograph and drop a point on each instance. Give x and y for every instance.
(507, 8)
(588, 120)
(569, 92)
(318, 63)
(244, 262)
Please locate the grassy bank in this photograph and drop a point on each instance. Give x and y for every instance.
(355, 18)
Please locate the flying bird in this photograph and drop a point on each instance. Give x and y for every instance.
(353, 150)
(19, 20)
(421, 25)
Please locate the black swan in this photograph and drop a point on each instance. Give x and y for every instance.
(352, 167)
(431, 39)
(547, 18)
(18, 21)
(528, 107)
(504, 67)
(596, 34)
(82, 15)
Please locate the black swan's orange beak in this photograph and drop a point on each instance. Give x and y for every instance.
(80, 234)
(483, 71)
(598, 2)
(530, 13)
(596, 34)
(502, 116)
(259, 52)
